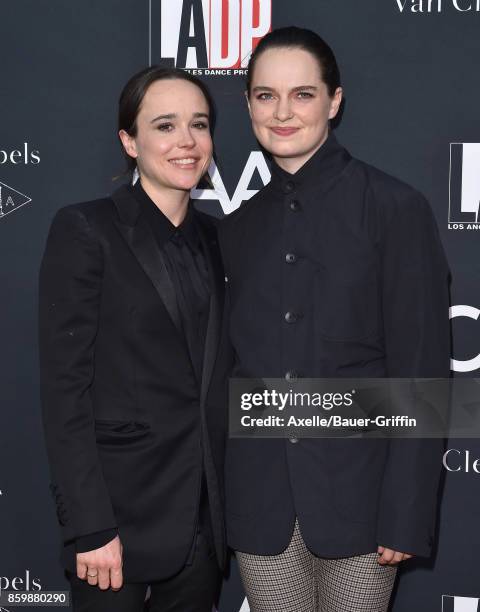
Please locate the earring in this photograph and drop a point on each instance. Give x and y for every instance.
(135, 176)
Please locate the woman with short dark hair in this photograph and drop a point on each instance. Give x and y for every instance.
(131, 295)
(348, 279)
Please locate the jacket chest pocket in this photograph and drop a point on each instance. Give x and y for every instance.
(346, 307)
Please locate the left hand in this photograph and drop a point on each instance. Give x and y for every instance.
(388, 556)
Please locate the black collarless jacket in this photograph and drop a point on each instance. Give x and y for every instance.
(335, 271)
(129, 428)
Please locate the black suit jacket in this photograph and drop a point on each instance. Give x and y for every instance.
(127, 425)
(335, 271)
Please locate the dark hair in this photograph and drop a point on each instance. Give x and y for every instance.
(134, 91)
(300, 38)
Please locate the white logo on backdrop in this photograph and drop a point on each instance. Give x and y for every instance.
(19, 583)
(464, 186)
(207, 35)
(256, 162)
(20, 156)
(454, 603)
(11, 200)
(437, 6)
(460, 461)
(245, 607)
(468, 365)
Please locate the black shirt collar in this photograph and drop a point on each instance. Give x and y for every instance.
(162, 227)
(323, 167)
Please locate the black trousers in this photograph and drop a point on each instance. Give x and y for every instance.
(194, 589)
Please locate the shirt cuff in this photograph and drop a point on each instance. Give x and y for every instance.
(92, 541)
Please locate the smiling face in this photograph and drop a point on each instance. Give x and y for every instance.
(290, 105)
(172, 144)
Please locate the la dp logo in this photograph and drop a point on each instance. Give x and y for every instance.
(464, 184)
(207, 33)
(453, 603)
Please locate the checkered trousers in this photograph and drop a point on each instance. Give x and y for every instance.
(298, 581)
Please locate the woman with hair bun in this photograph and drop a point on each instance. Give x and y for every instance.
(335, 270)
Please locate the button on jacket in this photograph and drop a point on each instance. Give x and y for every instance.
(131, 428)
(335, 271)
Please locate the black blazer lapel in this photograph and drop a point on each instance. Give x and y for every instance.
(212, 255)
(136, 231)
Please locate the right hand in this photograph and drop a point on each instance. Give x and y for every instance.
(103, 566)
